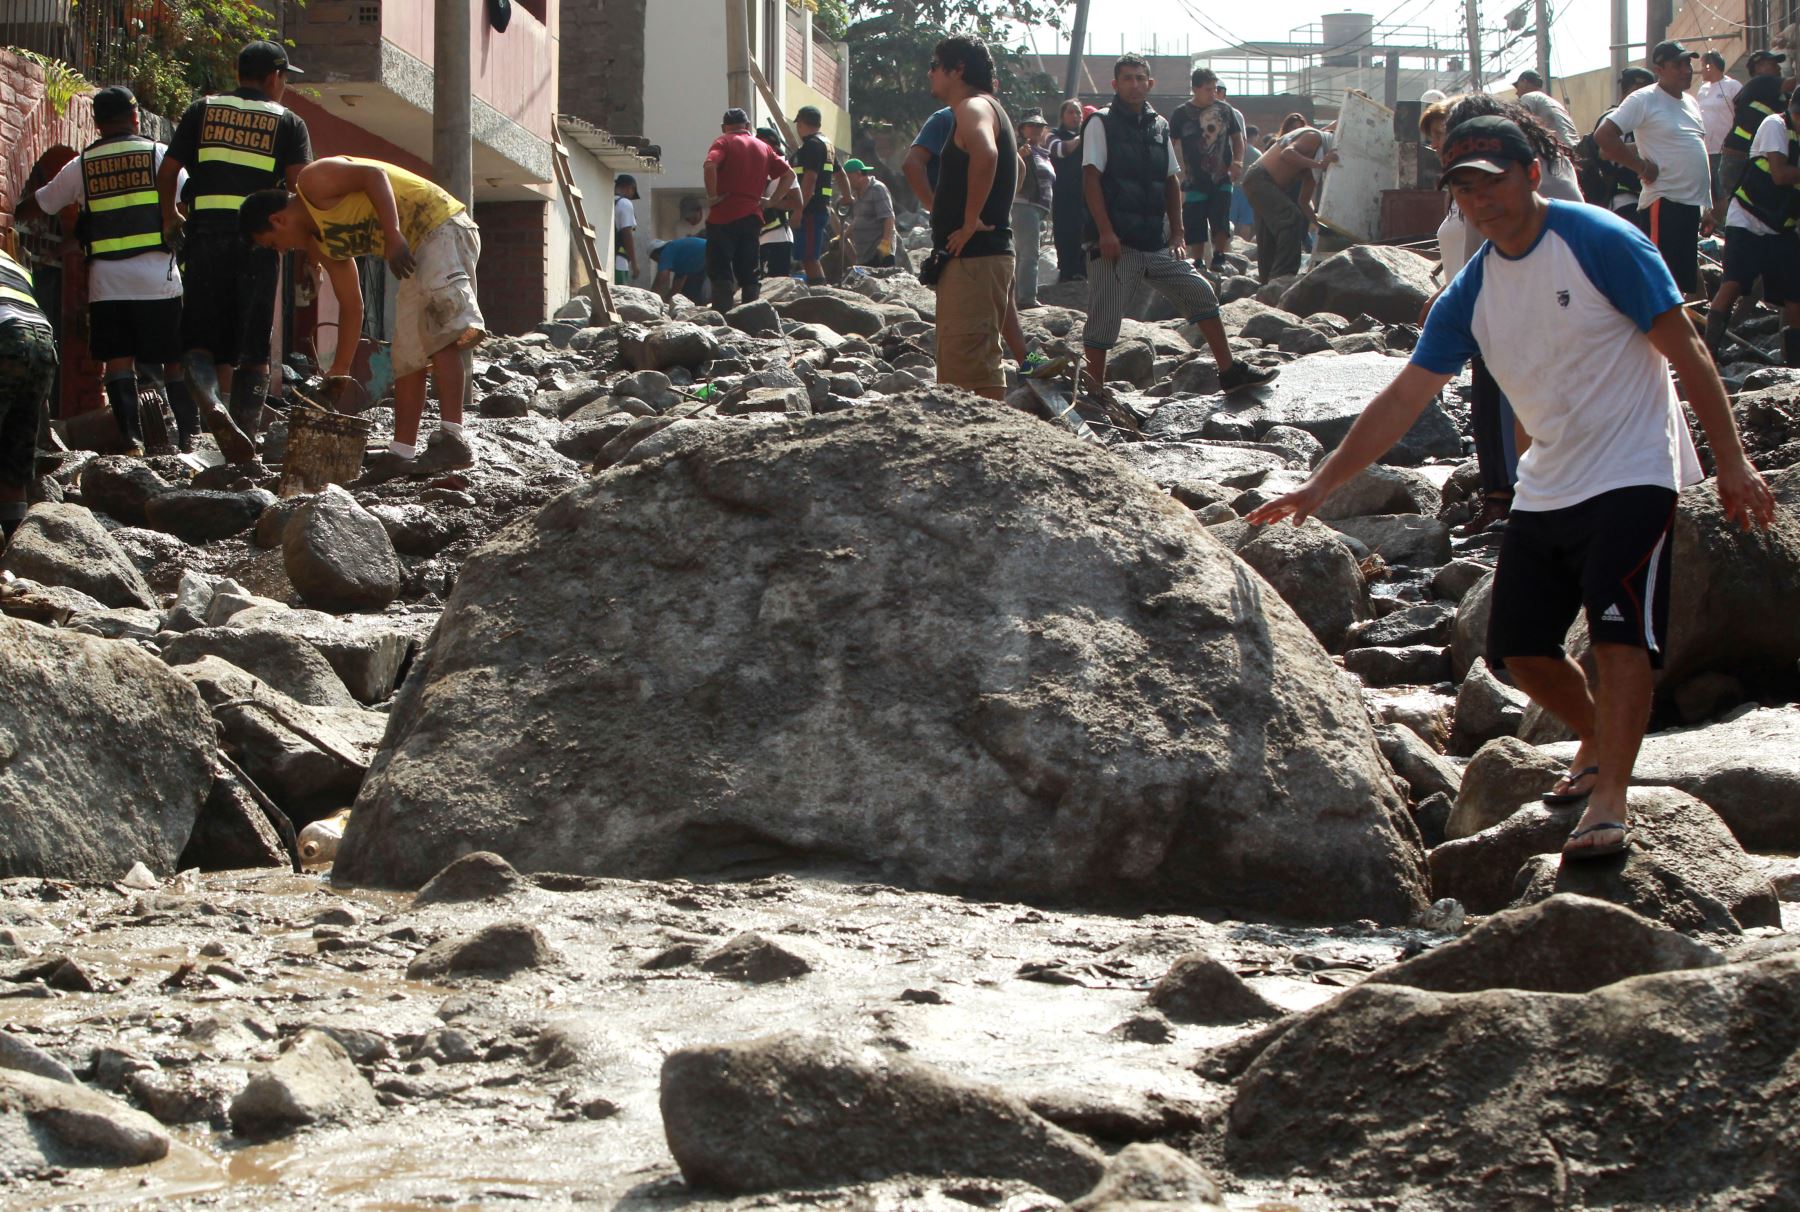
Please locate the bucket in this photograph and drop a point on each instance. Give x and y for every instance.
(322, 448)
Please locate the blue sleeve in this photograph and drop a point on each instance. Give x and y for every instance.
(1618, 259)
(936, 132)
(1449, 337)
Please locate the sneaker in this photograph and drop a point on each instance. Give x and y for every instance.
(1220, 265)
(379, 469)
(1240, 377)
(444, 451)
(1033, 362)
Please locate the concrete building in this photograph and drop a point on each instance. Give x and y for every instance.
(609, 45)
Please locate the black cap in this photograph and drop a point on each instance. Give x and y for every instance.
(810, 115)
(1671, 52)
(1714, 58)
(735, 117)
(260, 59)
(1033, 117)
(113, 103)
(1761, 55)
(1529, 77)
(624, 179)
(1635, 78)
(1489, 143)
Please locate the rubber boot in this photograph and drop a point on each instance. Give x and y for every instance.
(1790, 346)
(249, 389)
(187, 420)
(1716, 321)
(122, 395)
(724, 294)
(203, 386)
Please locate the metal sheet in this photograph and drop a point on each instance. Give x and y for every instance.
(1368, 163)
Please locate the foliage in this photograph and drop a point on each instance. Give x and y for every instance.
(62, 83)
(890, 48)
(170, 51)
(831, 18)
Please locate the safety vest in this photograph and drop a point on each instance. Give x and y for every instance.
(236, 152)
(826, 175)
(15, 286)
(1774, 205)
(123, 216)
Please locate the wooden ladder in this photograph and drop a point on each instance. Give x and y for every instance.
(599, 273)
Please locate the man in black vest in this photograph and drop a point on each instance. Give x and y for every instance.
(27, 370)
(1759, 100)
(1760, 238)
(232, 144)
(1133, 187)
(134, 287)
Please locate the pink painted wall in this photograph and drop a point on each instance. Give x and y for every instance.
(514, 72)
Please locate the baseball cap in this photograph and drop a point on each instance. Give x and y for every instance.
(1714, 58)
(1529, 77)
(1670, 52)
(855, 166)
(1033, 117)
(113, 102)
(260, 58)
(735, 116)
(1759, 56)
(1636, 77)
(624, 179)
(1489, 143)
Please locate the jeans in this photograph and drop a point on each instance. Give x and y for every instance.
(1280, 225)
(1028, 238)
(1070, 215)
(734, 251)
(1496, 444)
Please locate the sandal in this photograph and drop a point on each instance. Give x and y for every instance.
(1561, 798)
(1599, 849)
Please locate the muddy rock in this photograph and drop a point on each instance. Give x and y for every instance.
(758, 318)
(1409, 539)
(313, 1082)
(20, 1054)
(1413, 665)
(1146, 1178)
(1315, 574)
(1200, 989)
(1390, 284)
(667, 346)
(44, 1122)
(500, 950)
(120, 487)
(792, 1111)
(97, 806)
(1683, 869)
(236, 829)
(201, 515)
(64, 545)
(1469, 640)
(339, 555)
(368, 652)
(473, 877)
(1427, 623)
(806, 704)
(840, 311)
(755, 960)
(1480, 869)
(1424, 770)
(1632, 1095)
(1566, 944)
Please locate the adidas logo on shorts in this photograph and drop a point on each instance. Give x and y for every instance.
(1612, 615)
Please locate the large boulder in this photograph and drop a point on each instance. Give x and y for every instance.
(120, 487)
(842, 312)
(64, 545)
(280, 658)
(792, 1111)
(106, 756)
(1504, 776)
(1315, 574)
(1390, 284)
(339, 556)
(933, 636)
(1673, 1090)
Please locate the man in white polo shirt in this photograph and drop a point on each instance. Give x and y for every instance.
(1717, 96)
(1669, 157)
(1567, 285)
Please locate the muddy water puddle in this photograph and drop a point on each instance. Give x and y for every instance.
(207, 982)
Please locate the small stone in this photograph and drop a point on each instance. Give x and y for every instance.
(139, 877)
(447, 1046)
(313, 1082)
(480, 876)
(924, 997)
(755, 960)
(16, 1052)
(1145, 1027)
(1200, 989)
(500, 950)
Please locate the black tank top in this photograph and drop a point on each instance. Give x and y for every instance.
(952, 195)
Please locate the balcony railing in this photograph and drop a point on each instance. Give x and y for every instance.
(104, 40)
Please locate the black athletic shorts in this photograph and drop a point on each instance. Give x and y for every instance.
(1774, 259)
(1210, 215)
(1674, 227)
(1610, 555)
(146, 329)
(229, 305)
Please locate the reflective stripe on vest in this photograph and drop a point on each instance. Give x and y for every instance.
(219, 202)
(124, 214)
(15, 284)
(1773, 205)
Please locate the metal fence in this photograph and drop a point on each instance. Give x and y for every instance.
(101, 39)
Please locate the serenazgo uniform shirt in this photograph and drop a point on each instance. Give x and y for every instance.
(151, 275)
(1563, 329)
(1671, 132)
(1771, 136)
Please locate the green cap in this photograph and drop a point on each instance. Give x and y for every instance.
(855, 166)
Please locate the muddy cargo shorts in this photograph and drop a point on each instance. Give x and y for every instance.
(971, 311)
(437, 305)
(27, 370)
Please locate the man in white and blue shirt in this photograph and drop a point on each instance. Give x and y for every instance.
(1574, 290)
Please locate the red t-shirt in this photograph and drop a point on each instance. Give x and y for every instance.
(746, 166)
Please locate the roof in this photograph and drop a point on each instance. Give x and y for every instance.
(604, 147)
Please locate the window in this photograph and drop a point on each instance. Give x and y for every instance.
(537, 8)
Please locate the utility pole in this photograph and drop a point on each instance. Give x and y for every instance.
(1475, 46)
(1621, 33)
(1543, 42)
(739, 91)
(1077, 46)
(452, 160)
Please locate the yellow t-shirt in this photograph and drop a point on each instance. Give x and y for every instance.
(350, 229)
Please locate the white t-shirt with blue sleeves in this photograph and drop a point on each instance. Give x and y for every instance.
(1563, 330)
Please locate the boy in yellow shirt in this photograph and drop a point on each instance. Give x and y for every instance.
(345, 207)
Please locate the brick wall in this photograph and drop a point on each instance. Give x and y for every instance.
(601, 67)
(29, 127)
(514, 265)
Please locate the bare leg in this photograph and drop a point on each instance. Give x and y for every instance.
(1622, 713)
(1214, 332)
(1096, 368)
(1011, 331)
(409, 407)
(450, 369)
(1559, 686)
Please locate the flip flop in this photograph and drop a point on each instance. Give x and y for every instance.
(1602, 849)
(1555, 798)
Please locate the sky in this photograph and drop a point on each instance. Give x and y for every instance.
(1578, 28)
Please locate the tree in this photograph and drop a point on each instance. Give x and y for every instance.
(890, 48)
(170, 51)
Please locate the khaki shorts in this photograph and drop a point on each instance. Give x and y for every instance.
(972, 296)
(437, 304)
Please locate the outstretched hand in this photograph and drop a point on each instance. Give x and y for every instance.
(1745, 497)
(1299, 505)
(962, 235)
